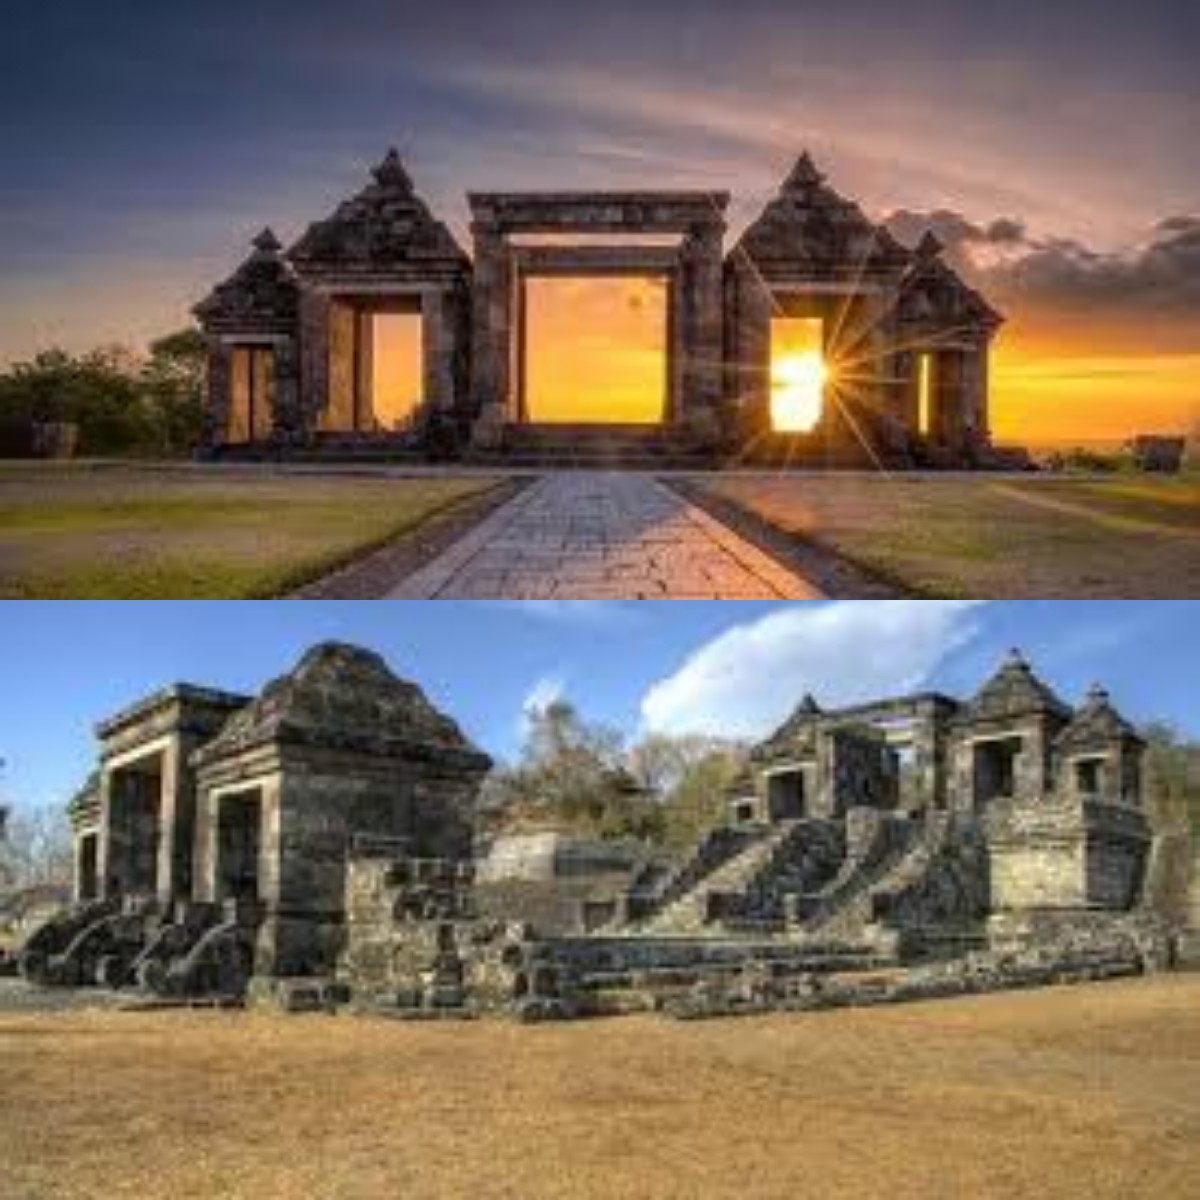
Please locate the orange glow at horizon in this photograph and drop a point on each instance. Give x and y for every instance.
(1042, 396)
(798, 374)
(596, 350)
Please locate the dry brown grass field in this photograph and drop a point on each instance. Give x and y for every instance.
(1074, 1092)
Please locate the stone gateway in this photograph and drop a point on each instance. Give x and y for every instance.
(818, 336)
(315, 845)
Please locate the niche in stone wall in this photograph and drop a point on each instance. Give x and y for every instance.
(996, 769)
(89, 883)
(239, 842)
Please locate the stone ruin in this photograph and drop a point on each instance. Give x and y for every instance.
(293, 343)
(313, 847)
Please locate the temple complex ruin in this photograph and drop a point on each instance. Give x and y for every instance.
(315, 845)
(817, 336)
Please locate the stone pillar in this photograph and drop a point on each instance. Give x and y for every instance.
(491, 340)
(438, 350)
(219, 392)
(204, 845)
(701, 339)
(314, 357)
(172, 822)
(977, 424)
(290, 425)
(342, 381)
(749, 348)
(362, 355)
(104, 847)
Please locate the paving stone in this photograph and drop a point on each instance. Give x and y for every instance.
(600, 536)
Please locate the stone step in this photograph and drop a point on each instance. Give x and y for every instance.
(734, 876)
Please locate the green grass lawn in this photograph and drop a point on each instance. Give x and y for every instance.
(124, 533)
(991, 536)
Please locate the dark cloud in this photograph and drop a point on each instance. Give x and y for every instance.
(1060, 277)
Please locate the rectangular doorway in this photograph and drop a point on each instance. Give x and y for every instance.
(996, 769)
(239, 845)
(595, 350)
(787, 798)
(89, 883)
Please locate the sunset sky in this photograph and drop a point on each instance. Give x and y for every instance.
(1051, 145)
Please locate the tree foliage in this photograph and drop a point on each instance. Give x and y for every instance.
(1172, 780)
(118, 402)
(35, 849)
(1172, 794)
(580, 776)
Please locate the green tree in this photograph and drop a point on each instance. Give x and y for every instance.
(172, 383)
(97, 392)
(118, 402)
(571, 775)
(1172, 795)
(35, 849)
(577, 775)
(690, 775)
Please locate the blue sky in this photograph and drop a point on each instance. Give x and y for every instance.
(733, 667)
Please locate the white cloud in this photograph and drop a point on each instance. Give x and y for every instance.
(745, 681)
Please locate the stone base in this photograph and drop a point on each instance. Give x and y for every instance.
(316, 994)
(1187, 951)
(1084, 931)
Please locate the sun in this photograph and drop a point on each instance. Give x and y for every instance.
(797, 391)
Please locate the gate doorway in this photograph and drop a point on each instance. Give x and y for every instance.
(595, 351)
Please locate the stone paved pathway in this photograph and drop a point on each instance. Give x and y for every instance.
(602, 536)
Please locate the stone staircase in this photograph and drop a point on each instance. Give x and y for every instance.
(901, 860)
(730, 885)
(656, 888)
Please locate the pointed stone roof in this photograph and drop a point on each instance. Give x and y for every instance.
(810, 232)
(385, 230)
(341, 697)
(261, 296)
(929, 246)
(799, 725)
(1015, 691)
(804, 175)
(934, 295)
(1096, 724)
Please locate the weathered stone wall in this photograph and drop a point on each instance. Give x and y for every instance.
(1046, 875)
(1059, 852)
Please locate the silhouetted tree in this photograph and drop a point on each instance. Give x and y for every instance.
(118, 402)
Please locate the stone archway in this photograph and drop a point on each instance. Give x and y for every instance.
(693, 267)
